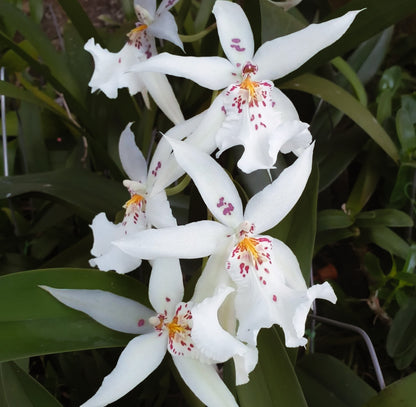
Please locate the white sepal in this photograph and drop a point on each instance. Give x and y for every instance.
(111, 310)
(141, 357)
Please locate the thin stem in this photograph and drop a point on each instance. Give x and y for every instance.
(3, 128)
(367, 340)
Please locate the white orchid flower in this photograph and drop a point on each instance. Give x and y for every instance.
(269, 284)
(190, 332)
(144, 209)
(112, 70)
(257, 115)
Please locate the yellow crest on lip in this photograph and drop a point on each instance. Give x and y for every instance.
(250, 86)
(248, 245)
(135, 199)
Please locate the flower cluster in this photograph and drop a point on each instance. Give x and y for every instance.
(251, 280)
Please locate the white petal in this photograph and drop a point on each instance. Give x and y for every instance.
(283, 105)
(235, 32)
(164, 27)
(141, 356)
(107, 256)
(148, 5)
(213, 183)
(287, 264)
(165, 285)
(115, 259)
(162, 93)
(295, 49)
(269, 206)
(204, 381)
(131, 157)
(322, 291)
(158, 211)
(112, 70)
(194, 240)
(166, 5)
(111, 310)
(212, 275)
(245, 364)
(213, 341)
(210, 72)
(297, 135)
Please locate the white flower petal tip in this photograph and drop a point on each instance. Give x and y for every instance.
(111, 310)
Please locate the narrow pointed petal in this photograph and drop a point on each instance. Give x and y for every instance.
(295, 49)
(194, 240)
(269, 206)
(205, 382)
(107, 256)
(213, 183)
(131, 157)
(165, 28)
(113, 70)
(210, 72)
(165, 285)
(213, 341)
(158, 211)
(148, 5)
(166, 5)
(111, 310)
(164, 169)
(234, 31)
(162, 93)
(141, 357)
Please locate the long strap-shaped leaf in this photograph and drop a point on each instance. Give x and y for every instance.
(346, 103)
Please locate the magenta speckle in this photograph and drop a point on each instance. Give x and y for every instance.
(141, 322)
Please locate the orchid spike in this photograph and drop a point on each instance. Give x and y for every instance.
(190, 332)
(269, 284)
(112, 70)
(257, 115)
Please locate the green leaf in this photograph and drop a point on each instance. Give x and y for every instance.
(386, 239)
(366, 183)
(55, 62)
(273, 383)
(346, 103)
(79, 18)
(34, 323)
(401, 393)
(275, 22)
(401, 339)
(405, 130)
(87, 192)
(333, 219)
(327, 382)
(20, 389)
(384, 217)
(31, 141)
(377, 16)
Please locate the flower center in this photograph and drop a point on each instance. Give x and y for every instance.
(178, 330)
(252, 88)
(134, 200)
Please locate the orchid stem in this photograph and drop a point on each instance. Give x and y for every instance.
(367, 340)
(3, 127)
(178, 188)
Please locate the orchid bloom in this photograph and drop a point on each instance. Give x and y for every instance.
(143, 210)
(190, 332)
(112, 70)
(256, 114)
(269, 284)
